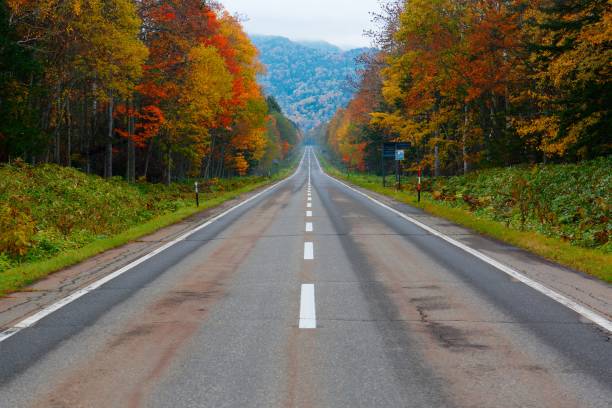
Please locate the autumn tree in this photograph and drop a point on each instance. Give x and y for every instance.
(486, 83)
(569, 71)
(162, 90)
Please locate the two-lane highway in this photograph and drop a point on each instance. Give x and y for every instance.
(309, 295)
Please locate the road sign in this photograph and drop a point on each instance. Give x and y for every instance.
(399, 155)
(390, 148)
(397, 145)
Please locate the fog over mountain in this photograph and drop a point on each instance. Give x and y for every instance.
(308, 78)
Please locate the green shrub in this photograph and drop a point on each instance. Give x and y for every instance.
(570, 201)
(48, 209)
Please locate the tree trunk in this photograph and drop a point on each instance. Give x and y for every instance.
(131, 164)
(108, 165)
(87, 134)
(69, 134)
(494, 128)
(219, 172)
(210, 156)
(169, 168)
(94, 126)
(436, 161)
(56, 146)
(464, 140)
(56, 133)
(83, 126)
(131, 148)
(168, 178)
(148, 159)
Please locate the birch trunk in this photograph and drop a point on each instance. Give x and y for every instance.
(108, 165)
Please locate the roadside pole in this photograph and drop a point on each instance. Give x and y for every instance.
(398, 177)
(399, 156)
(197, 194)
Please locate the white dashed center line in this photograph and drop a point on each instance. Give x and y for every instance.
(308, 316)
(308, 319)
(308, 251)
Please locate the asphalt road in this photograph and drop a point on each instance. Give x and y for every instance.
(310, 295)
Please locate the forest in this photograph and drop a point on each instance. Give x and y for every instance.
(480, 84)
(148, 90)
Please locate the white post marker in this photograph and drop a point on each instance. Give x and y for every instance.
(308, 251)
(309, 227)
(308, 316)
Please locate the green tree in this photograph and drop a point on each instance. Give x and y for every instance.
(20, 133)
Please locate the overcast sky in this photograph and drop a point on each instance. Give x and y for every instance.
(340, 22)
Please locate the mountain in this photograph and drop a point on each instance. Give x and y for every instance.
(321, 46)
(308, 79)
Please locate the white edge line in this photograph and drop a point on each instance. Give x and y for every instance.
(309, 227)
(589, 314)
(35, 318)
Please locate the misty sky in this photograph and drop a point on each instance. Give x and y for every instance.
(340, 22)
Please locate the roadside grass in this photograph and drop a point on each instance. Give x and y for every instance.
(16, 278)
(592, 261)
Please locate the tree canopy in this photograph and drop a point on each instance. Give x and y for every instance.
(483, 83)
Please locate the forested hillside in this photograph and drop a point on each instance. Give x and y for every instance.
(480, 84)
(156, 90)
(309, 79)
